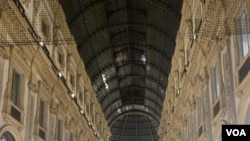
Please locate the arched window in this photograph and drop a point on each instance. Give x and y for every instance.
(248, 115)
(7, 136)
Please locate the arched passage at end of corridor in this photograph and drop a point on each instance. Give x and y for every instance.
(7, 136)
(9, 132)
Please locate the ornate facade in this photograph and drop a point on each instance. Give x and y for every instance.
(45, 93)
(209, 84)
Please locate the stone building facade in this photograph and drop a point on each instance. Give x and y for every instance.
(209, 84)
(45, 93)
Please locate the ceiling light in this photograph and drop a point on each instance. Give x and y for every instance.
(41, 43)
(73, 95)
(119, 110)
(178, 92)
(60, 74)
(194, 36)
(106, 86)
(81, 111)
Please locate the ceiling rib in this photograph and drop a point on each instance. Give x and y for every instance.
(147, 77)
(159, 107)
(150, 110)
(123, 24)
(132, 46)
(161, 97)
(140, 112)
(110, 65)
(85, 9)
(126, 46)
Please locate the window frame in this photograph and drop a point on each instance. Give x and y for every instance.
(59, 129)
(215, 81)
(12, 108)
(44, 109)
(60, 58)
(72, 79)
(17, 100)
(72, 136)
(215, 95)
(242, 50)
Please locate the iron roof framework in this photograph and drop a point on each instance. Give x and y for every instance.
(126, 46)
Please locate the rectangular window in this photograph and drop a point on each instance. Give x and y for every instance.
(81, 97)
(72, 80)
(216, 81)
(52, 127)
(42, 119)
(72, 138)
(42, 114)
(16, 88)
(200, 110)
(44, 28)
(60, 59)
(243, 36)
(200, 115)
(60, 130)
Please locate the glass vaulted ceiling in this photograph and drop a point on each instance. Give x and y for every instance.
(127, 46)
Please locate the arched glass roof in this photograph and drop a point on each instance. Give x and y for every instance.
(127, 48)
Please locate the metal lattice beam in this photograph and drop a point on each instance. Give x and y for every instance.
(111, 92)
(117, 116)
(148, 77)
(113, 102)
(132, 46)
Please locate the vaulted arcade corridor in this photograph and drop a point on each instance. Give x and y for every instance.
(127, 48)
(123, 70)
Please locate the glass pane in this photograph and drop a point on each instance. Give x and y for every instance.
(41, 115)
(59, 130)
(216, 81)
(244, 48)
(16, 86)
